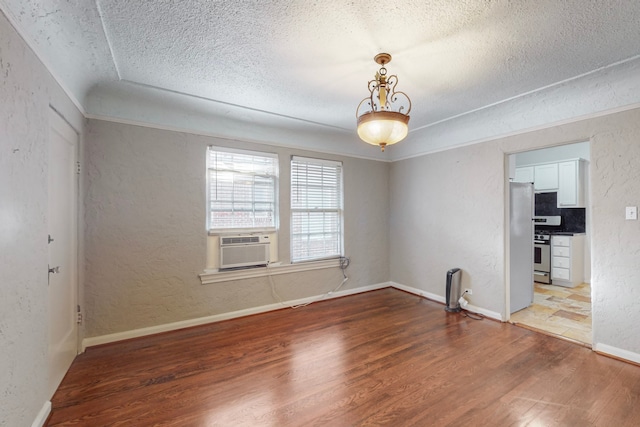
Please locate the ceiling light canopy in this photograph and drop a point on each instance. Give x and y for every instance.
(382, 119)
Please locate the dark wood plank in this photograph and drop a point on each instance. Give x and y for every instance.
(380, 358)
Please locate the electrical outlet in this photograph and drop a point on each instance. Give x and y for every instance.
(468, 291)
(631, 212)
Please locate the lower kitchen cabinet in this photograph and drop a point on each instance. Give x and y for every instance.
(567, 260)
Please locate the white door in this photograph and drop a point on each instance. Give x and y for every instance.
(63, 249)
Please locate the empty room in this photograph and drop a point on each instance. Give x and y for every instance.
(341, 213)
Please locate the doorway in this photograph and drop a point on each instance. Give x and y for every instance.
(562, 307)
(62, 248)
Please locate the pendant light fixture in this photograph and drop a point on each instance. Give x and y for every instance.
(382, 119)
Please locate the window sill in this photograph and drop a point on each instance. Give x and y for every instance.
(226, 276)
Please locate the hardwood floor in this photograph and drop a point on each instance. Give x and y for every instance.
(380, 358)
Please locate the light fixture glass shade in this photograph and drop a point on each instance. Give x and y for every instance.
(383, 128)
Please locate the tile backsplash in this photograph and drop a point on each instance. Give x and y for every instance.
(573, 219)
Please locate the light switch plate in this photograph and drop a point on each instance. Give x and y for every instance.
(631, 212)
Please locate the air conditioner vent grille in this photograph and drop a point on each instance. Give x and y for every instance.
(236, 240)
(244, 251)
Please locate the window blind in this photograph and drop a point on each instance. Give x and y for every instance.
(241, 189)
(316, 209)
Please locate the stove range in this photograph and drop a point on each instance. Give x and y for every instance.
(544, 225)
(542, 237)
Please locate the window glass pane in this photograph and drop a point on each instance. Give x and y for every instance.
(241, 189)
(316, 209)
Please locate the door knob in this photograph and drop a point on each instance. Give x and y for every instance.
(54, 269)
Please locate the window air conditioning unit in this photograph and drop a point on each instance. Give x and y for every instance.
(244, 251)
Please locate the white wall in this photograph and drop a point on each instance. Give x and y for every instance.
(448, 210)
(146, 230)
(26, 90)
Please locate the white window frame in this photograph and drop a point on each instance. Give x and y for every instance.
(332, 206)
(209, 167)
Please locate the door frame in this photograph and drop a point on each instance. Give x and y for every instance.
(507, 216)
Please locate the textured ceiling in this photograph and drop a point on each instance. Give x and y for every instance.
(297, 69)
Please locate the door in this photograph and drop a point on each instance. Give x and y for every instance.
(521, 245)
(63, 249)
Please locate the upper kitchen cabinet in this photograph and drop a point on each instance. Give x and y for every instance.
(567, 178)
(524, 174)
(546, 177)
(571, 184)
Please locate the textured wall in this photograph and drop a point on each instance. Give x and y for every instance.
(615, 180)
(26, 90)
(447, 211)
(440, 219)
(146, 236)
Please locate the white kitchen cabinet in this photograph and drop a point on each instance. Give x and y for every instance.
(546, 177)
(567, 260)
(571, 184)
(524, 174)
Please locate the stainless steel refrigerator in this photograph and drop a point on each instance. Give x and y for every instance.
(521, 209)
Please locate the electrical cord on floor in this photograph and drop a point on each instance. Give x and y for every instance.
(344, 263)
(472, 315)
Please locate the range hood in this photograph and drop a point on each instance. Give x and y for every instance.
(547, 220)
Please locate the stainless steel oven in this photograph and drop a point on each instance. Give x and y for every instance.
(544, 226)
(542, 259)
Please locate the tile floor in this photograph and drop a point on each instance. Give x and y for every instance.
(559, 311)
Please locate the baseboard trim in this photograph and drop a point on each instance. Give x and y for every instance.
(167, 327)
(486, 313)
(419, 292)
(442, 300)
(42, 415)
(617, 353)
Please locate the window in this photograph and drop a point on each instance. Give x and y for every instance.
(316, 209)
(241, 189)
